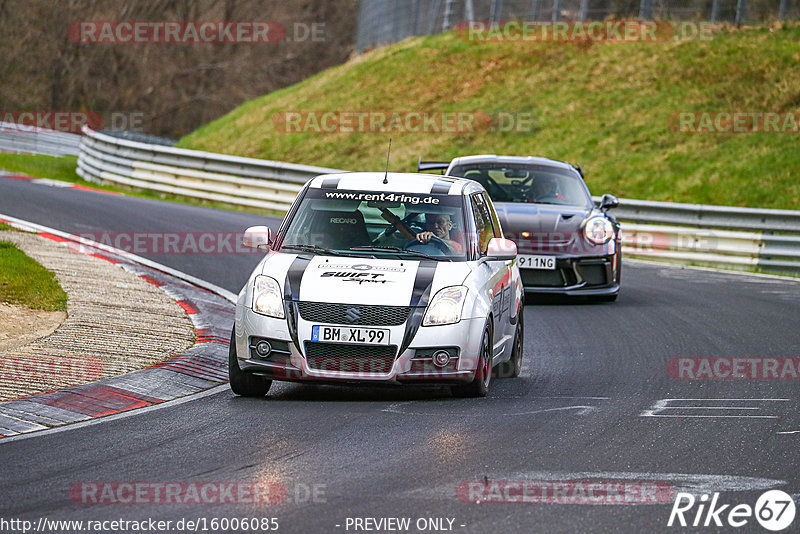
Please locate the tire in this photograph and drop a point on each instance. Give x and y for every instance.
(483, 374)
(244, 384)
(513, 367)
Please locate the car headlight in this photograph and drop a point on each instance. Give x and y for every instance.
(446, 306)
(598, 230)
(267, 298)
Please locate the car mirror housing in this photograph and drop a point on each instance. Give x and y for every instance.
(257, 237)
(608, 202)
(501, 249)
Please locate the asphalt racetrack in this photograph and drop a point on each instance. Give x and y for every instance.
(595, 403)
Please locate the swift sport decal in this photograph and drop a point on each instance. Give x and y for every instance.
(361, 281)
(358, 277)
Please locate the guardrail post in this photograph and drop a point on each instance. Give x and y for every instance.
(741, 7)
(784, 5)
(556, 15)
(584, 9)
(646, 10)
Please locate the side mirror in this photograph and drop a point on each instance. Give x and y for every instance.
(608, 202)
(257, 237)
(501, 249)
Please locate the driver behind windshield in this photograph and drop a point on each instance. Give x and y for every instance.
(439, 225)
(545, 189)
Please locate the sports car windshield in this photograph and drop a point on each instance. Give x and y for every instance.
(528, 183)
(378, 224)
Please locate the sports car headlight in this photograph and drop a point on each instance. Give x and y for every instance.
(446, 306)
(599, 230)
(267, 298)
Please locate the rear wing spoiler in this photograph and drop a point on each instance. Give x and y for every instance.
(424, 166)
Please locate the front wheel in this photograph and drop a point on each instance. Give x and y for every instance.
(483, 374)
(244, 384)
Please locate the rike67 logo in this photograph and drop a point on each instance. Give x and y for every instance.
(774, 510)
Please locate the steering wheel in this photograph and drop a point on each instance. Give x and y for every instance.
(435, 241)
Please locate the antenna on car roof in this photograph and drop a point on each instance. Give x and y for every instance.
(386, 176)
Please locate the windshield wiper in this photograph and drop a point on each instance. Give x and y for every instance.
(400, 250)
(311, 248)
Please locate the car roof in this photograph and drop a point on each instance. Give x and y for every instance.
(493, 158)
(398, 182)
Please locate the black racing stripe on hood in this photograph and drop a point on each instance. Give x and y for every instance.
(441, 187)
(330, 183)
(291, 294)
(419, 300)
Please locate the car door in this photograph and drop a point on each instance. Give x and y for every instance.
(498, 279)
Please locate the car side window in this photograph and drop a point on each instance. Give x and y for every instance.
(498, 232)
(483, 221)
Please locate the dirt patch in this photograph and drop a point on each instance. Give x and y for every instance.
(116, 322)
(20, 325)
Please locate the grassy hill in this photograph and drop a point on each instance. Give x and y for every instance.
(609, 106)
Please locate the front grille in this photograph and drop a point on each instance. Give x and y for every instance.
(593, 273)
(355, 314)
(350, 358)
(544, 278)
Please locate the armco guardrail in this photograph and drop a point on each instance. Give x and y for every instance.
(706, 216)
(234, 180)
(708, 241)
(32, 140)
(720, 236)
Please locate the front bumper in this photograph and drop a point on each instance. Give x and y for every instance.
(575, 276)
(299, 359)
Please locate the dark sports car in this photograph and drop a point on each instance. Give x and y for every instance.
(566, 245)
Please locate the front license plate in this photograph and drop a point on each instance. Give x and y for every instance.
(536, 262)
(350, 334)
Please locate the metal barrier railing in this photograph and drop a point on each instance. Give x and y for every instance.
(30, 140)
(720, 236)
(234, 180)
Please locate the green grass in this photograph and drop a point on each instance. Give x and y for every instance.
(604, 105)
(23, 281)
(63, 169)
(55, 168)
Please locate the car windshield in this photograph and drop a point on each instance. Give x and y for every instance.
(527, 183)
(378, 224)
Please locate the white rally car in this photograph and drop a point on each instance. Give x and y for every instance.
(381, 278)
